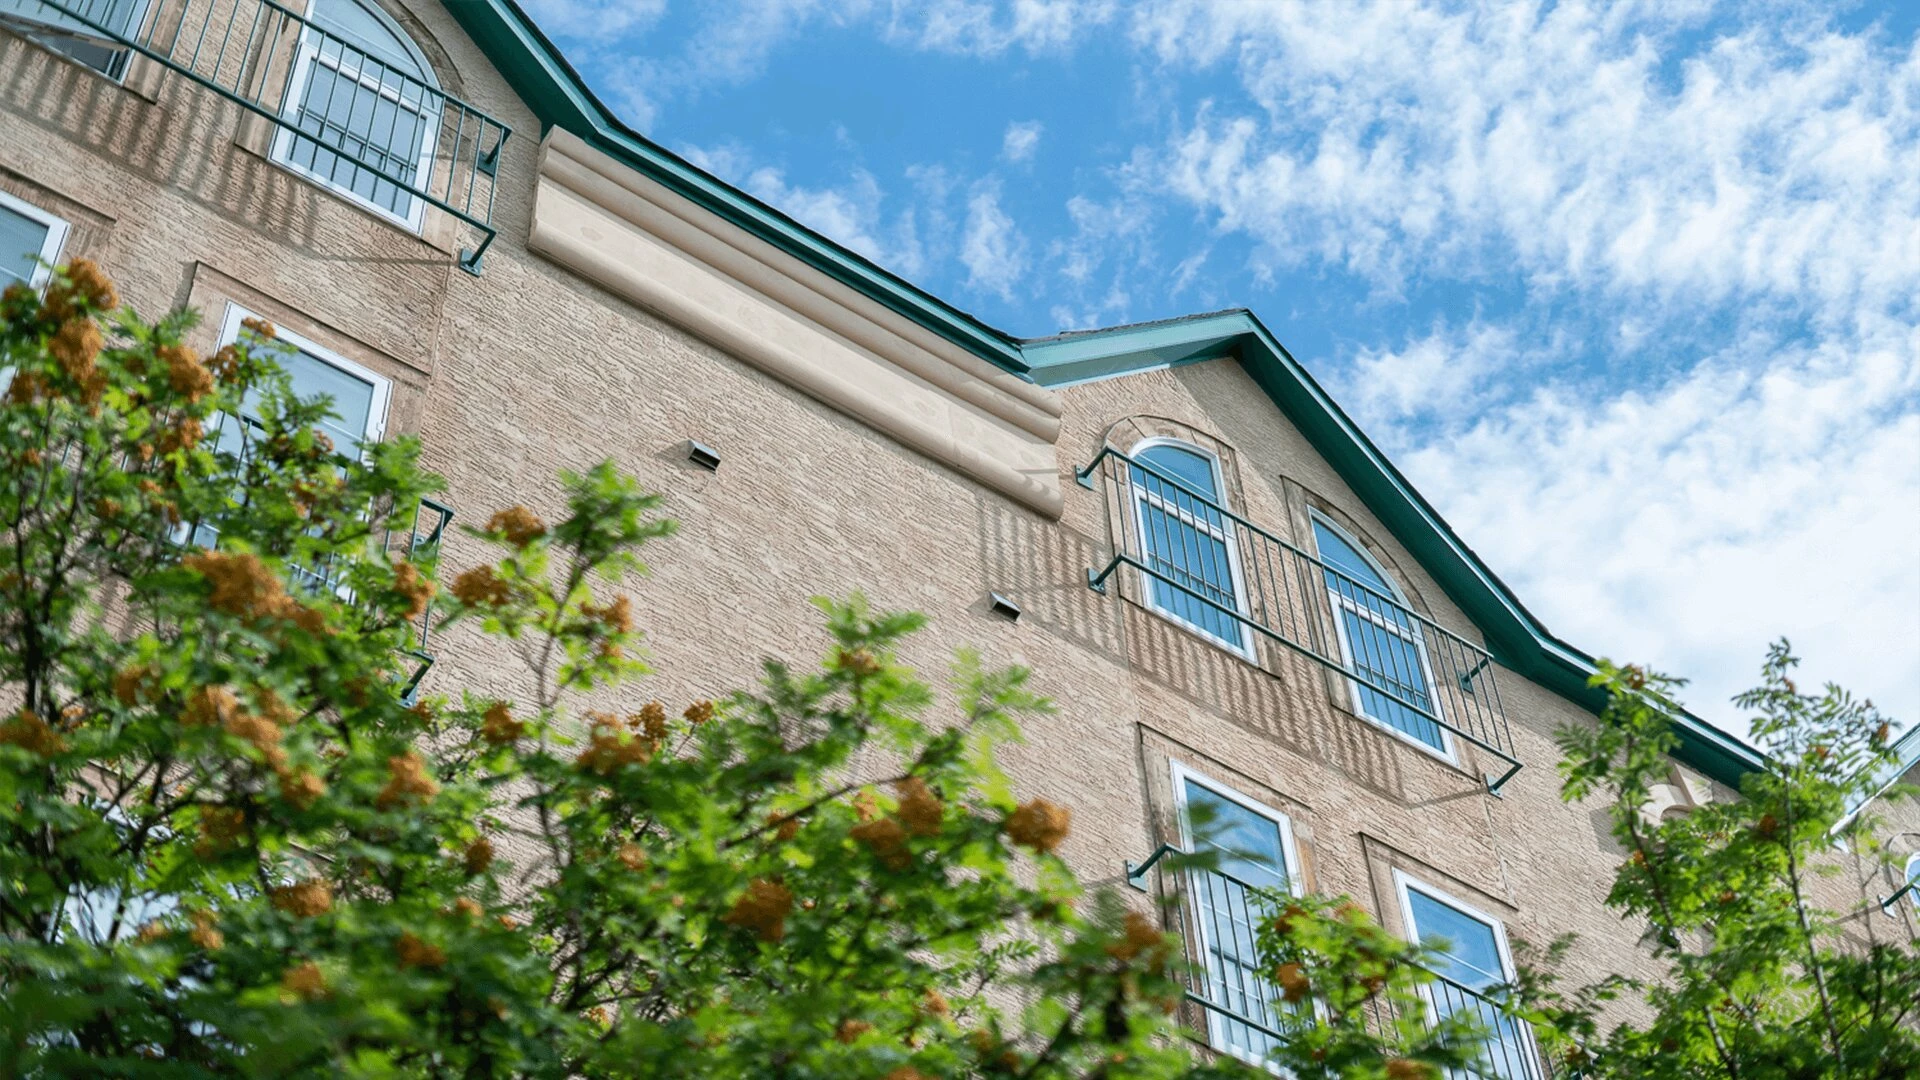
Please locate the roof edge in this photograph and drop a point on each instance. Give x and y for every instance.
(557, 94)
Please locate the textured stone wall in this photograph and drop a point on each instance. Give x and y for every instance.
(528, 369)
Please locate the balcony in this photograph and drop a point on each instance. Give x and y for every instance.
(1258, 595)
(1243, 1014)
(371, 126)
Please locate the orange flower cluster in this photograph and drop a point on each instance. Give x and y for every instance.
(185, 373)
(304, 899)
(934, 1003)
(210, 705)
(478, 857)
(77, 346)
(906, 1072)
(617, 616)
(699, 712)
(517, 525)
(466, 908)
(305, 981)
(610, 747)
(763, 909)
(1293, 982)
(247, 587)
(413, 587)
(413, 952)
(82, 286)
(887, 840)
(225, 364)
(850, 1031)
(786, 826)
(480, 587)
(131, 683)
(498, 727)
(407, 780)
(920, 809)
(31, 733)
(1142, 938)
(1406, 1069)
(858, 661)
(653, 721)
(259, 328)
(205, 934)
(184, 435)
(1039, 825)
(220, 828)
(301, 789)
(632, 856)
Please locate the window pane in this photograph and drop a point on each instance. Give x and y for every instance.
(1470, 957)
(352, 21)
(352, 124)
(1191, 469)
(1340, 555)
(21, 239)
(68, 35)
(1228, 913)
(1390, 661)
(1195, 558)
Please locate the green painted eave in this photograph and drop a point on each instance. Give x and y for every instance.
(550, 86)
(557, 95)
(1515, 637)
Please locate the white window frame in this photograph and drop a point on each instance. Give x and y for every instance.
(1446, 751)
(1243, 647)
(50, 248)
(297, 84)
(1403, 884)
(1182, 775)
(382, 386)
(123, 55)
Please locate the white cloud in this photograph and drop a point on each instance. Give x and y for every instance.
(1021, 140)
(988, 27)
(595, 19)
(993, 249)
(1394, 138)
(850, 213)
(1730, 218)
(1688, 525)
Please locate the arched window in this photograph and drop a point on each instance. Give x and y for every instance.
(1913, 880)
(364, 108)
(1188, 542)
(1379, 639)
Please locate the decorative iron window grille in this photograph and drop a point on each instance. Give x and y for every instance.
(1244, 1015)
(342, 129)
(1409, 674)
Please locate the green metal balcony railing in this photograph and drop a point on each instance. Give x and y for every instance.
(1245, 1015)
(1228, 579)
(421, 543)
(357, 120)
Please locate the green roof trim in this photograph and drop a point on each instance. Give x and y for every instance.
(559, 97)
(550, 86)
(1516, 638)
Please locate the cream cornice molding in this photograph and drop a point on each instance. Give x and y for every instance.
(639, 240)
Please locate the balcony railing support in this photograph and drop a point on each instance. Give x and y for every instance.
(1200, 557)
(251, 62)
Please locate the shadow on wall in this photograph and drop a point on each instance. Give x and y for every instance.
(186, 142)
(1286, 701)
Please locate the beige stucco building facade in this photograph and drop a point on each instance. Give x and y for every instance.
(870, 438)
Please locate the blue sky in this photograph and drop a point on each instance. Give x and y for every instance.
(1630, 291)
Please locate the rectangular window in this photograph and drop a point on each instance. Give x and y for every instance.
(1256, 852)
(1473, 960)
(30, 241)
(92, 39)
(359, 398)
